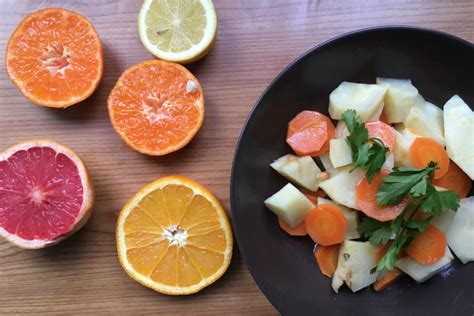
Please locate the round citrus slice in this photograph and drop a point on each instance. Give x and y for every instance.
(54, 58)
(174, 237)
(178, 30)
(45, 193)
(156, 107)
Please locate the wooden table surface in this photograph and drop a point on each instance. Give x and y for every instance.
(256, 39)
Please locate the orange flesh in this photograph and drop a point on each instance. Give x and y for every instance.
(424, 150)
(156, 107)
(299, 230)
(456, 180)
(54, 57)
(327, 257)
(326, 225)
(366, 199)
(428, 247)
(382, 131)
(388, 279)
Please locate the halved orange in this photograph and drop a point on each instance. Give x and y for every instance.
(174, 237)
(156, 107)
(54, 58)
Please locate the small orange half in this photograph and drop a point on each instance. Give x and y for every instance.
(174, 237)
(54, 58)
(156, 107)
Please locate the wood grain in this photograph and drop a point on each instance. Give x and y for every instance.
(256, 39)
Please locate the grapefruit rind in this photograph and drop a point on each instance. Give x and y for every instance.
(135, 200)
(88, 193)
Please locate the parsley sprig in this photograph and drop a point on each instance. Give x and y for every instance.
(367, 152)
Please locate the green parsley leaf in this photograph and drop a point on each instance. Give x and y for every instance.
(390, 258)
(375, 160)
(419, 225)
(381, 236)
(377, 232)
(440, 201)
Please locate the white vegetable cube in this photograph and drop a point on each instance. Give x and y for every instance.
(460, 232)
(340, 187)
(389, 162)
(366, 99)
(401, 150)
(290, 205)
(351, 216)
(459, 134)
(300, 170)
(341, 129)
(399, 99)
(339, 152)
(422, 272)
(427, 121)
(356, 259)
(328, 167)
(443, 221)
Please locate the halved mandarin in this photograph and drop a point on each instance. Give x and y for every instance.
(156, 107)
(54, 58)
(174, 237)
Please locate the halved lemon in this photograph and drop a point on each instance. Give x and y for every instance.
(182, 31)
(174, 237)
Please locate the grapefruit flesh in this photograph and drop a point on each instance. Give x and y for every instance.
(45, 194)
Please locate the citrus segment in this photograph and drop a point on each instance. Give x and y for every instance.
(174, 237)
(156, 107)
(45, 193)
(54, 57)
(178, 30)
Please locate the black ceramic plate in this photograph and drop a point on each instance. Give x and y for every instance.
(439, 65)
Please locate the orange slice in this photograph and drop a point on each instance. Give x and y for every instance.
(174, 237)
(156, 107)
(54, 58)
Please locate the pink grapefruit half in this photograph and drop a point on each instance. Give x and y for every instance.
(45, 193)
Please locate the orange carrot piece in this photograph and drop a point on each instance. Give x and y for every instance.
(299, 230)
(313, 196)
(382, 131)
(309, 133)
(366, 199)
(423, 150)
(455, 180)
(428, 247)
(388, 279)
(326, 258)
(326, 225)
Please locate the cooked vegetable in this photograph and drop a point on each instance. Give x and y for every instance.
(356, 258)
(399, 99)
(424, 150)
(443, 221)
(401, 150)
(339, 152)
(367, 201)
(389, 162)
(326, 257)
(326, 162)
(459, 130)
(290, 205)
(351, 216)
(309, 133)
(428, 247)
(366, 99)
(388, 279)
(299, 170)
(313, 196)
(426, 119)
(340, 187)
(326, 225)
(382, 131)
(422, 272)
(299, 230)
(455, 180)
(367, 153)
(341, 129)
(460, 232)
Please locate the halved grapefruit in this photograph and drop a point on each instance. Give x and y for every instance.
(45, 193)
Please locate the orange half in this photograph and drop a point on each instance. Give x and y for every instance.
(54, 58)
(174, 237)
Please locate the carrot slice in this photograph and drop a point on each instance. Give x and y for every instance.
(309, 133)
(456, 180)
(299, 230)
(428, 247)
(327, 257)
(326, 225)
(366, 199)
(423, 150)
(313, 196)
(387, 279)
(383, 131)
